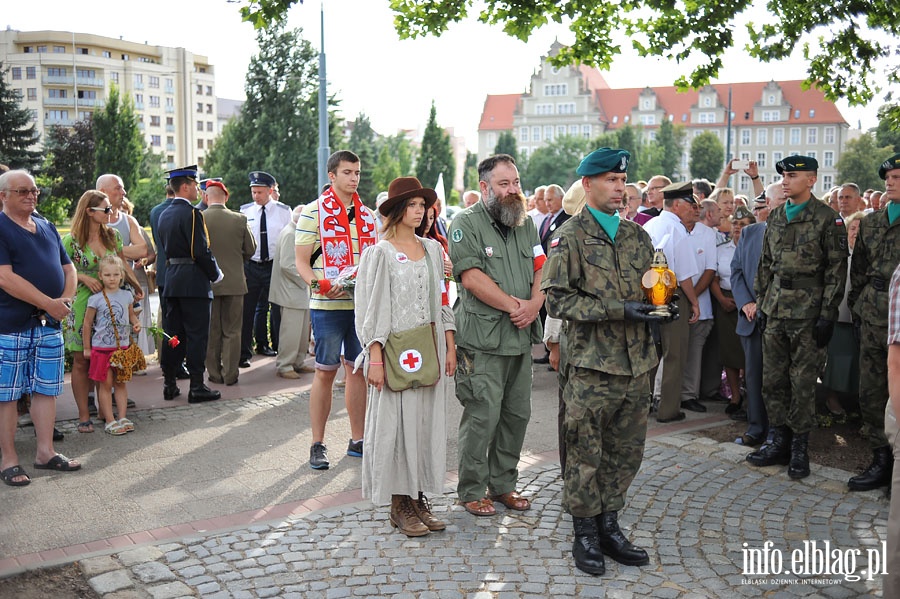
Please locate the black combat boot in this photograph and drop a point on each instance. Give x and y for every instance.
(878, 474)
(614, 543)
(200, 392)
(170, 389)
(586, 548)
(799, 465)
(776, 452)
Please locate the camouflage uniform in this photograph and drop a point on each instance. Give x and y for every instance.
(587, 279)
(801, 278)
(875, 256)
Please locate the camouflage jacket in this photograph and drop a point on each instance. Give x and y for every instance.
(587, 279)
(803, 268)
(875, 256)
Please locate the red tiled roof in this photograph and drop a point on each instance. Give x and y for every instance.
(498, 111)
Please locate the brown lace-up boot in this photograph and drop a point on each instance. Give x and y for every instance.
(423, 511)
(404, 517)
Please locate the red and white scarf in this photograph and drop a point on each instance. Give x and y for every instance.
(334, 232)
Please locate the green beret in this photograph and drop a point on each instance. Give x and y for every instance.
(889, 165)
(743, 212)
(679, 191)
(797, 163)
(604, 160)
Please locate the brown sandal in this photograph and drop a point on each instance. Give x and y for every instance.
(480, 507)
(513, 501)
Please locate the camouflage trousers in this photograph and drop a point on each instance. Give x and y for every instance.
(605, 428)
(791, 365)
(873, 382)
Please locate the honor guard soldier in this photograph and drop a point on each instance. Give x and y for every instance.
(190, 271)
(592, 280)
(875, 256)
(266, 217)
(799, 287)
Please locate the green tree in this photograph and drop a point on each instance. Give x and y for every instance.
(671, 143)
(860, 160)
(436, 155)
(554, 162)
(52, 207)
(707, 156)
(607, 139)
(150, 189)
(277, 128)
(506, 144)
(887, 133)
(18, 133)
(118, 143)
(70, 164)
(362, 143)
(470, 177)
(651, 161)
(386, 169)
(629, 138)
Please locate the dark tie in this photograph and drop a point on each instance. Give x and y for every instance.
(263, 237)
(545, 226)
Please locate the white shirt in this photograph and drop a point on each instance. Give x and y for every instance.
(667, 232)
(278, 215)
(725, 253)
(702, 241)
(537, 216)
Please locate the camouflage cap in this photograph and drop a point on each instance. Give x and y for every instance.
(680, 191)
(797, 163)
(889, 165)
(603, 160)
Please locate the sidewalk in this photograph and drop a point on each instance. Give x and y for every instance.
(217, 500)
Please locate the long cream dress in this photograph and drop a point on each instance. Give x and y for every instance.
(405, 444)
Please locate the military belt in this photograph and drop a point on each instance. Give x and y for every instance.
(797, 282)
(179, 261)
(878, 284)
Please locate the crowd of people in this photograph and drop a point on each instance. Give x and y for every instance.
(773, 292)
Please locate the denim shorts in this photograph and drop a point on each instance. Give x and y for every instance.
(31, 361)
(335, 334)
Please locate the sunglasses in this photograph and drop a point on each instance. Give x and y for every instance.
(104, 209)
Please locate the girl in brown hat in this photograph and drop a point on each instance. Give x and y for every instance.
(400, 286)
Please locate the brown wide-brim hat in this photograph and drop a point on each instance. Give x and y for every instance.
(403, 188)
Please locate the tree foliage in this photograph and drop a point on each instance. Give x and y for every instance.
(18, 132)
(860, 160)
(277, 128)
(707, 156)
(118, 144)
(887, 133)
(670, 139)
(386, 170)
(362, 143)
(554, 162)
(70, 164)
(470, 177)
(506, 144)
(436, 155)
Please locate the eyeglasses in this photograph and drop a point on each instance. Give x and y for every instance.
(103, 209)
(23, 191)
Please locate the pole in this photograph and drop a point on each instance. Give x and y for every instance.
(728, 131)
(324, 150)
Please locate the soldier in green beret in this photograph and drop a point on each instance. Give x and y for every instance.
(799, 285)
(592, 281)
(875, 256)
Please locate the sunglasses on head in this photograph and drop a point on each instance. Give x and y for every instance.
(103, 209)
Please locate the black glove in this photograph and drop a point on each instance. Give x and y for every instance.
(857, 329)
(640, 311)
(674, 311)
(761, 319)
(823, 331)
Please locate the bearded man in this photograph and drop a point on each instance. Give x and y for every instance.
(497, 259)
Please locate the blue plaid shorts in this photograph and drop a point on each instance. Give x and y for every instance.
(31, 361)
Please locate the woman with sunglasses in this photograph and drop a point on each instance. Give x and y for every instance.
(88, 242)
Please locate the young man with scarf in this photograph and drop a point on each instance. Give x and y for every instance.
(332, 233)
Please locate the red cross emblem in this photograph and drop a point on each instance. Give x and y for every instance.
(411, 360)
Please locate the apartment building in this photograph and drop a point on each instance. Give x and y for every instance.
(64, 77)
(769, 120)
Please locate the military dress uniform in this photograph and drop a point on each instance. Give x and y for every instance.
(190, 270)
(494, 368)
(799, 285)
(875, 257)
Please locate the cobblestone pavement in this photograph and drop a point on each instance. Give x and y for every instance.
(695, 506)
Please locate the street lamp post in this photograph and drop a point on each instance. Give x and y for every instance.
(324, 150)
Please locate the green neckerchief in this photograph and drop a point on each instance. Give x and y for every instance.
(791, 209)
(610, 223)
(893, 211)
